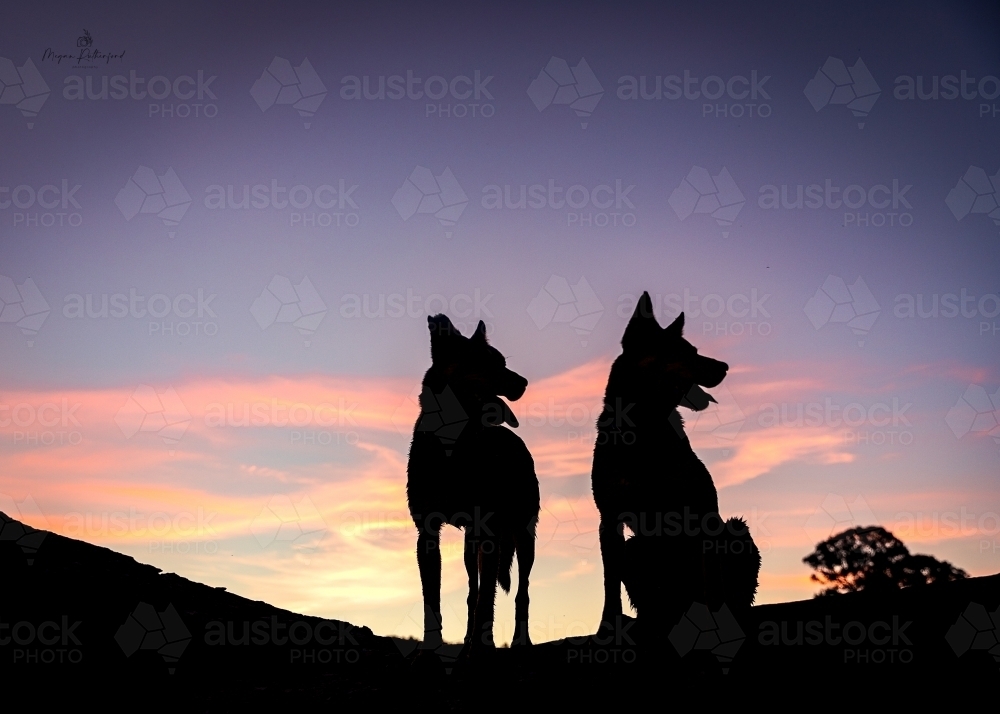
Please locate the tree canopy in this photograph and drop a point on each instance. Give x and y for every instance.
(873, 559)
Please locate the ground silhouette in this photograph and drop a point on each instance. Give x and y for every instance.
(102, 590)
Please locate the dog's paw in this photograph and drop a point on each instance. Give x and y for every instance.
(521, 637)
(427, 663)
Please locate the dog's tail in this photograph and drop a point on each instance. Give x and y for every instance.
(507, 549)
(740, 564)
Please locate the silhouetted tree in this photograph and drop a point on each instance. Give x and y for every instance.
(873, 559)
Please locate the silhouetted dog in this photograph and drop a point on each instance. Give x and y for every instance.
(647, 476)
(468, 470)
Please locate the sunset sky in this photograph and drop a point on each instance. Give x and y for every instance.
(228, 392)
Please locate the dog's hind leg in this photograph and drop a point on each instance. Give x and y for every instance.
(612, 536)
(429, 563)
(472, 570)
(489, 562)
(525, 545)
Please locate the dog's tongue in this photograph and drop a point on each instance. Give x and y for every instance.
(697, 399)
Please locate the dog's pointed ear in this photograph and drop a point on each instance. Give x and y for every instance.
(643, 327)
(480, 334)
(442, 333)
(675, 328)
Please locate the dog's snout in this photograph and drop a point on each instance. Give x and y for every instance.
(713, 373)
(514, 386)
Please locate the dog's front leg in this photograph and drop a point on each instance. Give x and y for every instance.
(472, 570)
(429, 563)
(612, 535)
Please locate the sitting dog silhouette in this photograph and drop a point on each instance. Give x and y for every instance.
(647, 477)
(468, 470)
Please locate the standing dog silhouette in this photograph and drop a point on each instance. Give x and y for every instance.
(646, 476)
(468, 470)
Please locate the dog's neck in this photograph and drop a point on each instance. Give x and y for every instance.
(628, 408)
(481, 410)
